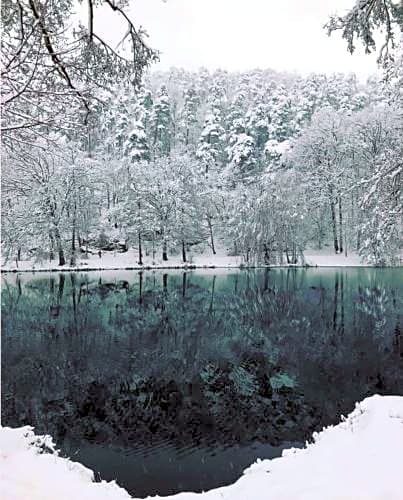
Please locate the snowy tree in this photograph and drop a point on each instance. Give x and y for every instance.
(241, 157)
(258, 124)
(241, 151)
(54, 188)
(364, 19)
(55, 69)
(189, 209)
(161, 123)
(189, 118)
(267, 222)
(379, 136)
(322, 153)
(123, 126)
(282, 115)
(211, 147)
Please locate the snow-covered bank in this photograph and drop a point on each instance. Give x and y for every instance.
(129, 260)
(323, 258)
(360, 458)
(26, 473)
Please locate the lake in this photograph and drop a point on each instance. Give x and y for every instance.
(179, 380)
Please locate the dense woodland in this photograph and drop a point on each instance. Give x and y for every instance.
(263, 164)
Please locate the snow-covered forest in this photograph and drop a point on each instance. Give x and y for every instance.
(262, 163)
(270, 163)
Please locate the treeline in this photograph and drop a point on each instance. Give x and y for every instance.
(265, 163)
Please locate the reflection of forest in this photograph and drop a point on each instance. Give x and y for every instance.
(268, 356)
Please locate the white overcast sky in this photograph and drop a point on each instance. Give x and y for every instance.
(247, 34)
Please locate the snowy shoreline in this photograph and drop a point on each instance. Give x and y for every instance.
(361, 457)
(168, 268)
(128, 262)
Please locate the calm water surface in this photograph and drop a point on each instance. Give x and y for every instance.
(178, 381)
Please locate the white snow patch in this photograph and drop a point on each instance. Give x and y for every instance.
(116, 260)
(274, 147)
(199, 259)
(326, 258)
(26, 473)
(360, 458)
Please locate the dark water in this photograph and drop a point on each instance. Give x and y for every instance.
(178, 381)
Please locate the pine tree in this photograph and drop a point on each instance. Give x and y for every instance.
(211, 148)
(188, 116)
(161, 123)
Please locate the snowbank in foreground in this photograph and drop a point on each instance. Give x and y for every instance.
(28, 474)
(361, 458)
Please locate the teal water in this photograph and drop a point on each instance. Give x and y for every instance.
(178, 381)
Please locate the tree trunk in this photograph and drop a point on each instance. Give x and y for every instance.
(19, 253)
(333, 209)
(52, 246)
(266, 254)
(340, 226)
(183, 251)
(210, 226)
(287, 256)
(320, 235)
(73, 233)
(62, 260)
(89, 143)
(73, 245)
(140, 261)
(281, 251)
(164, 250)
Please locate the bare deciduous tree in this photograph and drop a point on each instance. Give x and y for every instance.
(54, 71)
(364, 19)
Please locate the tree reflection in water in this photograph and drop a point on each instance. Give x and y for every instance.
(194, 362)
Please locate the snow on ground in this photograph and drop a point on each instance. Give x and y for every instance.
(129, 259)
(360, 458)
(324, 258)
(27, 474)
